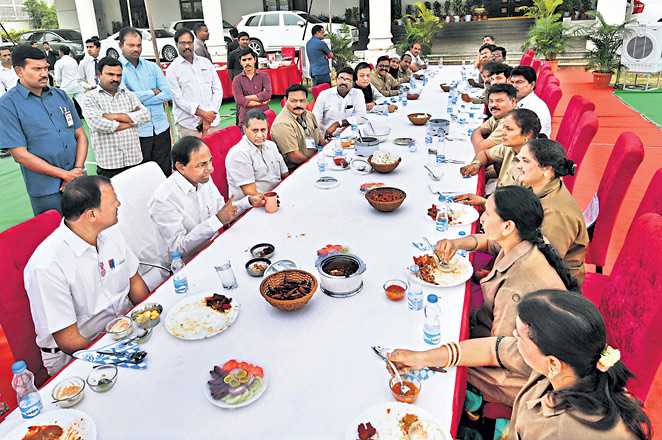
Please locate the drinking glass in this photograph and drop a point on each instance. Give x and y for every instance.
(225, 273)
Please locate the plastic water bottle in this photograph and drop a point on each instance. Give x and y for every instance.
(441, 62)
(412, 147)
(431, 325)
(385, 110)
(462, 252)
(441, 150)
(179, 274)
(442, 216)
(337, 148)
(464, 63)
(321, 160)
(29, 400)
(415, 292)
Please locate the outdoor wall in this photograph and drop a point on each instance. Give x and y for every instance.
(66, 14)
(17, 25)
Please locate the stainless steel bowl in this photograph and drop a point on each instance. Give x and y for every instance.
(381, 133)
(367, 146)
(147, 323)
(340, 286)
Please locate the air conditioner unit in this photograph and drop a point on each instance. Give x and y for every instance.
(642, 48)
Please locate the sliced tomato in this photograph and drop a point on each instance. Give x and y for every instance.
(258, 372)
(230, 365)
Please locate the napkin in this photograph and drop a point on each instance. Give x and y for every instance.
(118, 346)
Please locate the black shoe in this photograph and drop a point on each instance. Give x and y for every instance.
(4, 153)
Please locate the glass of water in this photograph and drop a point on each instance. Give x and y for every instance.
(225, 273)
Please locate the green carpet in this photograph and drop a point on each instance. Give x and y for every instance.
(15, 205)
(645, 102)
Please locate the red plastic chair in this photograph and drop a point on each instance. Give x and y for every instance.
(16, 247)
(625, 158)
(220, 143)
(652, 199)
(536, 63)
(288, 53)
(541, 82)
(581, 139)
(318, 89)
(282, 102)
(271, 115)
(531, 52)
(577, 106)
(552, 95)
(526, 60)
(630, 301)
(545, 66)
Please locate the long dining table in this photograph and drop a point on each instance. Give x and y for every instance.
(322, 372)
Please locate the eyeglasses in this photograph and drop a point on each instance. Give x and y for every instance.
(496, 55)
(383, 67)
(340, 79)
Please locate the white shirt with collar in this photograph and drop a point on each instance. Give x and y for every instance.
(246, 164)
(86, 72)
(185, 216)
(194, 85)
(8, 79)
(70, 281)
(330, 107)
(415, 59)
(66, 75)
(537, 105)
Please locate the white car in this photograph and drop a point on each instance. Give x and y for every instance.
(164, 41)
(647, 11)
(190, 24)
(273, 30)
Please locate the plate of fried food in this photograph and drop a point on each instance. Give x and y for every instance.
(56, 424)
(459, 270)
(458, 214)
(393, 421)
(201, 316)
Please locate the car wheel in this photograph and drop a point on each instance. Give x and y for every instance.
(112, 53)
(169, 53)
(257, 47)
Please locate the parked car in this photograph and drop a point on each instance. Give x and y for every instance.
(190, 24)
(648, 11)
(273, 30)
(56, 38)
(164, 41)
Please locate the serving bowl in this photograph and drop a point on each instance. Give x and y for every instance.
(395, 289)
(263, 250)
(397, 195)
(419, 118)
(379, 132)
(340, 274)
(366, 146)
(68, 392)
(143, 320)
(445, 87)
(102, 378)
(274, 65)
(286, 62)
(273, 287)
(413, 94)
(412, 394)
(257, 266)
(119, 328)
(384, 168)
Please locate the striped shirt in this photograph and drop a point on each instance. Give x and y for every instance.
(243, 86)
(114, 149)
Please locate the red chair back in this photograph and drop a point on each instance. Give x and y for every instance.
(536, 63)
(318, 89)
(632, 305)
(288, 53)
(541, 82)
(526, 60)
(282, 102)
(531, 52)
(271, 115)
(581, 139)
(220, 143)
(652, 200)
(545, 66)
(17, 245)
(552, 95)
(577, 106)
(623, 162)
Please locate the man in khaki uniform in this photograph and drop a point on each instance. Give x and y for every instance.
(502, 98)
(382, 80)
(295, 130)
(404, 72)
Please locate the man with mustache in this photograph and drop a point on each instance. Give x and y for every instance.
(374, 100)
(492, 73)
(42, 131)
(295, 129)
(147, 81)
(394, 64)
(197, 92)
(417, 62)
(83, 275)
(487, 39)
(340, 106)
(404, 72)
(382, 80)
(523, 78)
(113, 115)
(252, 88)
(502, 98)
(234, 63)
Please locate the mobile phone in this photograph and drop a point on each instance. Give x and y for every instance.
(199, 127)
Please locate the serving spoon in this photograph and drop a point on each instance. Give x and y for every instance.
(442, 264)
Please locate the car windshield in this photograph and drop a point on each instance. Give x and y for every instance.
(310, 18)
(69, 34)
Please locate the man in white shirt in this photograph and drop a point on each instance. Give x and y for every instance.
(523, 78)
(254, 166)
(374, 100)
(87, 69)
(66, 75)
(196, 89)
(340, 106)
(187, 209)
(417, 62)
(83, 275)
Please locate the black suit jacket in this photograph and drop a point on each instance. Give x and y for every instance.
(51, 58)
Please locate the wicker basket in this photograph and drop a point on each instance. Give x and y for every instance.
(419, 118)
(386, 206)
(384, 168)
(278, 278)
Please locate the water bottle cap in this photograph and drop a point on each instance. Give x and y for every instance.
(462, 233)
(176, 255)
(432, 299)
(20, 366)
(414, 268)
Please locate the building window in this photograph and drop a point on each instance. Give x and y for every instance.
(190, 9)
(276, 5)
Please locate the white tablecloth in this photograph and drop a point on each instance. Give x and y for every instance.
(322, 371)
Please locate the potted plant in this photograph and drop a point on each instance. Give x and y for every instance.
(485, 14)
(548, 34)
(447, 10)
(436, 9)
(420, 28)
(457, 10)
(604, 56)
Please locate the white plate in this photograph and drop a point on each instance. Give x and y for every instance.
(361, 166)
(460, 274)
(329, 149)
(190, 311)
(327, 184)
(377, 413)
(77, 424)
(253, 398)
(468, 216)
(331, 165)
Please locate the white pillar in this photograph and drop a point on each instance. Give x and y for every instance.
(213, 16)
(380, 30)
(87, 19)
(613, 11)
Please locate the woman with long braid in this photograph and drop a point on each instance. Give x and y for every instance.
(524, 263)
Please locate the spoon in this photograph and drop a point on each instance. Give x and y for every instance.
(403, 388)
(440, 262)
(433, 176)
(133, 338)
(134, 357)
